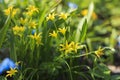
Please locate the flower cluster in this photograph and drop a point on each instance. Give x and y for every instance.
(85, 12)
(69, 47)
(11, 10)
(62, 15)
(23, 21)
(61, 30)
(31, 9)
(99, 52)
(18, 30)
(25, 24)
(37, 38)
(32, 24)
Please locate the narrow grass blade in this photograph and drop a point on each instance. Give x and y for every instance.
(82, 26)
(3, 31)
(90, 11)
(81, 31)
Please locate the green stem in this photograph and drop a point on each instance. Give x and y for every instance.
(82, 55)
(86, 49)
(13, 55)
(38, 56)
(55, 25)
(71, 78)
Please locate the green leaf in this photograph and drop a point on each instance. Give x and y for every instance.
(102, 71)
(82, 26)
(3, 31)
(81, 31)
(82, 74)
(2, 78)
(90, 11)
(115, 77)
(13, 54)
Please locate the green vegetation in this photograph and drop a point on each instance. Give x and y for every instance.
(59, 39)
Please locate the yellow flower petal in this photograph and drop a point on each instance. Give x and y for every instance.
(11, 72)
(53, 34)
(50, 17)
(62, 30)
(63, 16)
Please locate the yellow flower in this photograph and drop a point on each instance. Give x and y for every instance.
(37, 38)
(99, 52)
(66, 47)
(23, 21)
(85, 12)
(62, 30)
(76, 46)
(7, 11)
(11, 10)
(11, 72)
(18, 30)
(94, 16)
(32, 24)
(29, 13)
(14, 12)
(63, 16)
(51, 17)
(31, 9)
(53, 34)
(72, 46)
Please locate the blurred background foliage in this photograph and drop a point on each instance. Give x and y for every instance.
(105, 30)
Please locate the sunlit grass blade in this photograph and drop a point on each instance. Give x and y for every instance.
(82, 26)
(90, 11)
(81, 31)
